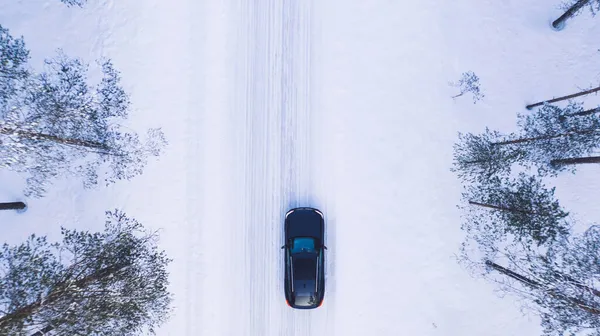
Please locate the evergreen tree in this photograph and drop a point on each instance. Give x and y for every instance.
(546, 137)
(13, 59)
(560, 284)
(70, 3)
(478, 157)
(57, 124)
(106, 283)
(508, 210)
(555, 133)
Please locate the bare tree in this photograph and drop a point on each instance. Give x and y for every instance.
(469, 82)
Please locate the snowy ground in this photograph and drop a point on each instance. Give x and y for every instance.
(340, 105)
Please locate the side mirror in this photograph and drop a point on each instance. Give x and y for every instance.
(283, 247)
(325, 247)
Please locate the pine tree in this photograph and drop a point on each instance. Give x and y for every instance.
(478, 157)
(57, 124)
(13, 59)
(78, 3)
(560, 284)
(506, 210)
(553, 133)
(106, 283)
(546, 137)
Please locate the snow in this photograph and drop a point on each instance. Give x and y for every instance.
(340, 105)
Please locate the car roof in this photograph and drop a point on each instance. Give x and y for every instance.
(305, 266)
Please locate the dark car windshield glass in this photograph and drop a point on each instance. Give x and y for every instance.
(305, 299)
(303, 244)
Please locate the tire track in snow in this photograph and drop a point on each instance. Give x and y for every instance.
(323, 158)
(258, 92)
(297, 151)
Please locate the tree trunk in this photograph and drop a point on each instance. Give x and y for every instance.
(536, 285)
(586, 112)
(54, 138)
(57, 292)
(12, 206)
(582, 93)
(575, 161)
(581, 286)
(498, 207)
(547, 137)
(558, 23)
(514, 275)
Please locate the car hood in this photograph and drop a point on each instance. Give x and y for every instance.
(304, 224)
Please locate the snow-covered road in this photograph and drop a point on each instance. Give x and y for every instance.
(259, 145)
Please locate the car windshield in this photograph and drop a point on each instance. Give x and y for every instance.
(303, 244)
(306, 299)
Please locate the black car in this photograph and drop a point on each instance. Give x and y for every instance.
(304, 279)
